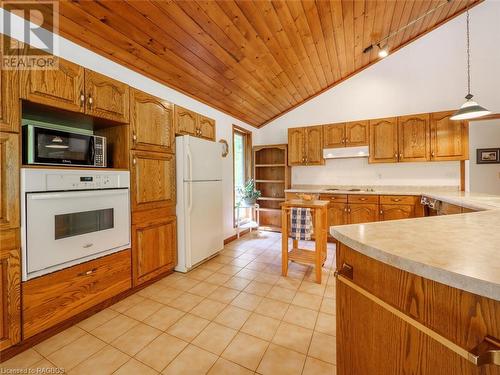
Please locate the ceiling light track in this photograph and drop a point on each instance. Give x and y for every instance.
(383, 42)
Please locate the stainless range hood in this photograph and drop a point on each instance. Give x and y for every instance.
(346, 152)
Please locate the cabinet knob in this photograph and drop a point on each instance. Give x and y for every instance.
(396, 199)
(381, 212)
(82, 99)
(345, 209)
(134, 137)
(90, 101)
(134, 161)
(362, 199)
(432, 154)
(401, 156)
(396, 155)
(89, 272)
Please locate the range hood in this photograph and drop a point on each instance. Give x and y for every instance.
(346, 152)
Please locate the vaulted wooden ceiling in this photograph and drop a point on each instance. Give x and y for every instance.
(255, 59)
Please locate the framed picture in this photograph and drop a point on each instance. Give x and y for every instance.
(488, 155)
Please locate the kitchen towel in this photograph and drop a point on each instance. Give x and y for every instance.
(302, 227)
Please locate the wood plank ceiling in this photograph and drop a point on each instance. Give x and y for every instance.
(255, 59)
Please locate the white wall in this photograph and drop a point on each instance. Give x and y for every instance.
(484, 178)
(84, 57)
(426, 76)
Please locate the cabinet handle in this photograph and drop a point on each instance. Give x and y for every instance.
(401, 156)
(345, 209)
(90, 101)
(396, 199)
(486, 352)
(381, 212)
(134, 137)
(396, 155)
(432, 154)
(89, 272)
(349, 210)
(82, 99)
(346, 271)
(362, 199)
(134, 161)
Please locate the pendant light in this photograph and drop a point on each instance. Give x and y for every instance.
(470, 109)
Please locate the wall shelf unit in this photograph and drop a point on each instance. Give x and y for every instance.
(272, 177)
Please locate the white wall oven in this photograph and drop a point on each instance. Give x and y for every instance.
(71, 216)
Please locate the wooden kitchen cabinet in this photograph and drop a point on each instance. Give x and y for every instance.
(449, 139)
(62, 88)
(414, 138)
(106, 97)
(374, 340)
(154, 249)
(334, 135)
(73, 88)
(151, 123)
(185, 121)
(296, 146)
(206, 128)
(9, 101)
(10, 285)
(53, 298)
(396, 211)
(383, 135)
(356, 133)
(9, 181)
(359, 213)
(191, 123)
(314, 145)
(305, 146)
(152, 178)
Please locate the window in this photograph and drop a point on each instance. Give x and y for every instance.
(242, 159)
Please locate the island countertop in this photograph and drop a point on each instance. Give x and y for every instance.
(461, 251)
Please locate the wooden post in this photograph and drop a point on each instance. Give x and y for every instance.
(284, 241)
(318, 229)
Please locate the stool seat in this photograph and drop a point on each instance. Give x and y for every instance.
(316, 256)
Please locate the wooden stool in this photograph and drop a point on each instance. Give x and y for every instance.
(316, 256)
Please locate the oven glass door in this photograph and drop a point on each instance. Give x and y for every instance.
(59, 147)
(65, 228)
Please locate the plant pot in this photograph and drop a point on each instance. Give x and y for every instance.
(249, 201)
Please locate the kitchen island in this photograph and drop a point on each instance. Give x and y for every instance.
(421, 296)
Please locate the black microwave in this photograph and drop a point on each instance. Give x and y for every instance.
(53, 146)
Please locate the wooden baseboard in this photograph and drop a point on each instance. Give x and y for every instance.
(32, 341)
(234, 236)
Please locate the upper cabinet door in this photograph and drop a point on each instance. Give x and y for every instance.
(356, 133)
(449, 139)
(151, 123)
(9, 181)
(206, 128)
(106, 98)
(383, 135)
(152, 180)
(314, 145)
(185, 121)
(62, 88)
(296, 146)
(414, 139)
(334, 135)
(9, 101)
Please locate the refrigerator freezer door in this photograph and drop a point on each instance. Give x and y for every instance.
(202, 223)
(202, 160)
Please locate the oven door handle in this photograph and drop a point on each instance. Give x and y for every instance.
(79, 194)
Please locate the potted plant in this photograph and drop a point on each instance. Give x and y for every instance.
(248, 193)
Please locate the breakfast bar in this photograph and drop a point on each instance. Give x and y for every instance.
(420, 295)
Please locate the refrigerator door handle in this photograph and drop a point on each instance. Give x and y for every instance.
(190, 195)
(189, 157)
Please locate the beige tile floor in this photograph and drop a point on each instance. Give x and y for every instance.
(234, 314)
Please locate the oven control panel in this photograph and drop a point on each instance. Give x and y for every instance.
(39, 180)
(82, 182)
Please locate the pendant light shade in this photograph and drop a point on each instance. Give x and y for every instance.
(470, 109)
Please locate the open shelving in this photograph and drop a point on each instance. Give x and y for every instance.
(272, 177)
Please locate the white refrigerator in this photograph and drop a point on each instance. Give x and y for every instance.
(199, 201)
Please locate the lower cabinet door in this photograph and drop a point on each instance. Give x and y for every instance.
(10, 281)
(362, 213)
(337, 215)
(396, 212)
(154, 247)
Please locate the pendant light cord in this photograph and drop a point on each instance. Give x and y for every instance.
(468, 56)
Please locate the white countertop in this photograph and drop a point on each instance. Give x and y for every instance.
(383, 190)
(462, 251)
